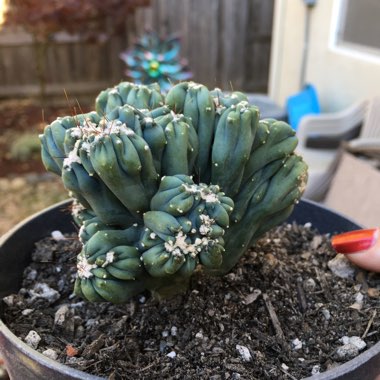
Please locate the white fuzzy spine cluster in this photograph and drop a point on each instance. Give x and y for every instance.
(110, 258)
(180, 247)
(85, 268)
(184, 245)
(89, 133)
(203, 191)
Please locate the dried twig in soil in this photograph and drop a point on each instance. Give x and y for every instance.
(369, 324)
(324, 285)
(301, 295)
(275, 321)
(286, 373)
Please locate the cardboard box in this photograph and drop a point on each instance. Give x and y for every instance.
(355, 191)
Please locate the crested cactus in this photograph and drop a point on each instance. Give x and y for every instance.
(166, 184)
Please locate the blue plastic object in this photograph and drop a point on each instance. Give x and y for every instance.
(303, 103)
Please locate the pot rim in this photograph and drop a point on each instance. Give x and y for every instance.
(30, 218)
(334, 373)
(39, 357)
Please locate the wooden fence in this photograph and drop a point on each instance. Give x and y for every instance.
(227, 44)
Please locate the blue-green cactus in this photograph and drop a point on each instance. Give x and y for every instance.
(166, 184)
(185, 227)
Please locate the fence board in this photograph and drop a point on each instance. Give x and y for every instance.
(234, 30)
(227, 43)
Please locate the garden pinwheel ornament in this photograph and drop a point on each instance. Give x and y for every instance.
(156, 60)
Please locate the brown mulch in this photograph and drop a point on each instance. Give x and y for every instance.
(280, 314)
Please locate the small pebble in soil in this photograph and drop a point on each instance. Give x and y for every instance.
(57, 235)
(9, 300)
(60, 315)
(326, 314)
(284, 367)
(309, 285)
(27, 311)
(50, 353)
(296, 344)
(358, 304)
(244, 353)
(42, 290)
(346, 352)
(355, 340)
(350, 348)
(341, 267)
(33, 339)
(171, 354)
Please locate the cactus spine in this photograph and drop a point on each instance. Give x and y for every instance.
(166, 184)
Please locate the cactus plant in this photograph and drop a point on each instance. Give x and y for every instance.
(166, 184)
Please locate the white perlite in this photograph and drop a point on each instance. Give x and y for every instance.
(32, 339)
(355, 340)
(341, 267)
(57, 235)
(346, 352)
(284, 367)
(296, 344)
(171, 354)
(244, 353)
(252, 297)
(316, 369)
(50, 353)
(351, 347)
(326, 313)
(358, 304)
(9, 300)
(42, 290)
(60, 315)
(27, 311)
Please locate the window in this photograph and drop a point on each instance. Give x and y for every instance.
(358, 25)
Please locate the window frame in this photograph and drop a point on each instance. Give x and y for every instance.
(338, 45)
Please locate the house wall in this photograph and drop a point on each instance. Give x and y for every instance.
(340, 77)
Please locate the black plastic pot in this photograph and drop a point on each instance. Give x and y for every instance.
(15, 248)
